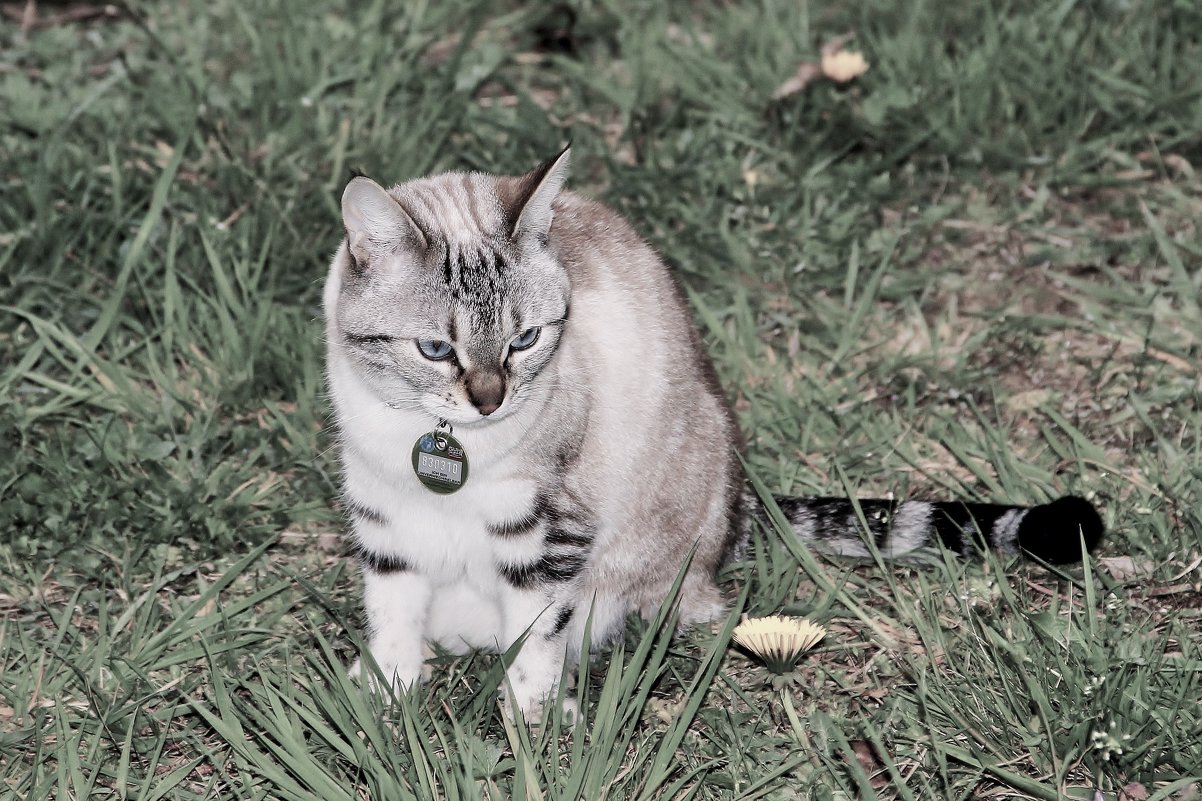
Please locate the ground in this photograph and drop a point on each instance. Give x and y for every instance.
(973, 271)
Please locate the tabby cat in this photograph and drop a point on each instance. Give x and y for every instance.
(532, 433)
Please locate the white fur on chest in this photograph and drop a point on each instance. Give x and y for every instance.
(445, 537)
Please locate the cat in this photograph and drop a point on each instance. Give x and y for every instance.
(532, 340)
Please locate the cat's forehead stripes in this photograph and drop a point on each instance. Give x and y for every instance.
(474, 274)
(462, 218)
(455, 207)
(482, 306)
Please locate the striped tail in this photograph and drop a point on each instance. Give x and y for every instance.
(1052, 532)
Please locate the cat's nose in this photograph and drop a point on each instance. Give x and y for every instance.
(486, 391)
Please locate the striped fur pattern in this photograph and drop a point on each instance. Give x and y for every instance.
(901, 528)
(603, 454)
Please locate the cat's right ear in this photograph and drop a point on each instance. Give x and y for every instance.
(375, 223)
(536, 192)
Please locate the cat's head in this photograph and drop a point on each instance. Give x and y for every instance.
(450, 299)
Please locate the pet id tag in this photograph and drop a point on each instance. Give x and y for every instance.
(440, 461)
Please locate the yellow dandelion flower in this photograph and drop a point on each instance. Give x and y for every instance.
(843, 65)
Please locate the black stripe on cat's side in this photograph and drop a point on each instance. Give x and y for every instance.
(561, 535)
(379, 563)
(528, 522)
(361, 511)
(569, 528)
(566, 542)
(548, 569)
(1051, 532)
(568, 452)
(562, 618)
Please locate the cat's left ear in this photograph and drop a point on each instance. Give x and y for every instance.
(375, 222)
(536, 192)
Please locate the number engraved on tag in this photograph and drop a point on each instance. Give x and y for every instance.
(439, 462)
(432, 466)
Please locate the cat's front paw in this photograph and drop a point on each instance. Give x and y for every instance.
(532, 707)
(398, 676)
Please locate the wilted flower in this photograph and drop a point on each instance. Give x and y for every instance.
(777, 640)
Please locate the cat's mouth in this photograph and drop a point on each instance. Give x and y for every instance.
(471, 416)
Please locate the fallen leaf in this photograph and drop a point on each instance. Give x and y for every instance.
(1191, 793)
(1122, 568)
(1179, 164)
(807, 73)
(666, 710)
(1133, 792)
(866, 756)
(1028, 400)
(27, 14)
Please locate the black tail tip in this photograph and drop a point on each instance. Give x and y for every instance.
(1054, 531)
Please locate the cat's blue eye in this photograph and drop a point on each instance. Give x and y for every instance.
(434, 349)
(525, 339)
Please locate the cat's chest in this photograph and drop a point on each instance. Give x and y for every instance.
(452, 537)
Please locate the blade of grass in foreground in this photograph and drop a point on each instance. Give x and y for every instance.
(661, 766)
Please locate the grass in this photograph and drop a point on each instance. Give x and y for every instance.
(974, 272)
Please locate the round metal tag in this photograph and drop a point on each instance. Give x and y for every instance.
(440, 462)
